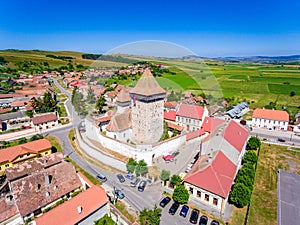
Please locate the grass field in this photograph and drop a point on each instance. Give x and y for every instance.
(263, 210)
(40, 56)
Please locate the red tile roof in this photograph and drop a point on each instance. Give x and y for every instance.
(44, 118)
(170, 115)
(210, 124)
(271, 114)
(11, 153)
(67, 213)
(190, 111)
(236, 135)
(216, 178)
(194, 134)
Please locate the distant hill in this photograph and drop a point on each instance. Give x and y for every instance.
(263, 59)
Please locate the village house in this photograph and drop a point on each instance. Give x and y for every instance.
(212, 176)
(14, 120)
(191, 116)
(34, 186)
(45, 121)
(84, 209)
(270, 119)
(18, 154)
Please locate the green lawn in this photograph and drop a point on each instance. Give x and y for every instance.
(284, 88)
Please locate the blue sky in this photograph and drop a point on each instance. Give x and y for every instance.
(208, 28)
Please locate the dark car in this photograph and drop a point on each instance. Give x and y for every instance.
(119, 194)
(101, 177)
(203, 220)
(184, 211)
(121, 178)
(281, 140)
(165, 202)
(194, 216)
(129, 176)
(142, 186)
(173, 208)
(214, 222)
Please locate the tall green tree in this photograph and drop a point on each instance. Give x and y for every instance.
(176, 180)
(253, 143)
(250, 157)
(100, 104)
(165, 175)
(90, 96)
(150, 217)
(141, 168)
(131, 165)
(180, 194)
(240, 195)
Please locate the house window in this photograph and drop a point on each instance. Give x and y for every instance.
(28, 154)
(191, 190)
(21, 156)
(46, 153)
(206, 197)
(215, 201)
(7, 165)
(199, 194)
(0, 167)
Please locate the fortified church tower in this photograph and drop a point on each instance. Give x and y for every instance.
(147, 110)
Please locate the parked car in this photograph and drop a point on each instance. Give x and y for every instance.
(214, 222)
(165, 202)
(280, 140)
(194, 216)
(203, 220)
(129, 176)
(121, 178)
(173, 208)
(142, 186)
(101, 177)
(119, 194)
(184, 211)
(134, 182)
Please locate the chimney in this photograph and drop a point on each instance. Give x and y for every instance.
(79, 209)
(8, 198)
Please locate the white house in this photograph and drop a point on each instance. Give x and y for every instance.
(191, 116)
(45, 121)
(270, 119)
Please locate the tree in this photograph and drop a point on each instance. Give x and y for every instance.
(253, 143)
(105, 220)
(22, 140)
(165, 175)
(176, 180)
(91, 96)
(293, 93)
(250, 157)
(141, 168)
(240, 195)
(73, 94)
(180, 194)
(131, 165)
(36, 137)
(150, 217)
(100, 104)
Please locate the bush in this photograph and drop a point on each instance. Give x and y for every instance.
(180, 194)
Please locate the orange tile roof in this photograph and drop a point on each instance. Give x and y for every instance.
(19, 103)
(11, 153)
(271, 114)
(216, 178)
(67, 213)
(175, 126)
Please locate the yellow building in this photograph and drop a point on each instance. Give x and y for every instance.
(24, 152)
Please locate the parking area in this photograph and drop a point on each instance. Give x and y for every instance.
(176, 219)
